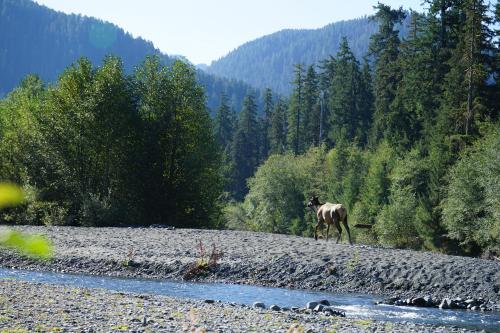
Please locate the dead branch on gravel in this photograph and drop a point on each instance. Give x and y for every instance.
(205, 263)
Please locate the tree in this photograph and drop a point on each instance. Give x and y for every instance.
(266, 124)
(224, 124)
(245, 149)
(278, 128)
(311, 108)
(295, 111)
(345, 97)
(384, 47)
(471, 208)
(183, 180)
(470, 63)
(277, 191)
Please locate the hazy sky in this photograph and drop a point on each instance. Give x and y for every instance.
(205, 30)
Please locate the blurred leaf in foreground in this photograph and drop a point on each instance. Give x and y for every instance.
(32, 245)
(10, 195)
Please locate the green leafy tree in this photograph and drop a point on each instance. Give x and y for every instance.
(183, 181)
(278, 191)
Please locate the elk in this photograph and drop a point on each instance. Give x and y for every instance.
(330, 214)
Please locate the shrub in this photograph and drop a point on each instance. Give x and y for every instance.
(471, 208)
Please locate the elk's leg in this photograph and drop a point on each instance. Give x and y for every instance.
(327, 230)
(336, 221)
(346, 226)
(316, 231)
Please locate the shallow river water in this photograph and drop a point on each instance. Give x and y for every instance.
(354, 305)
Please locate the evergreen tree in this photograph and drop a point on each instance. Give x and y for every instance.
(277, 131)
(311, 108)
(295, 111)
(384, 46)
(464, 90)
(345, 97)
(224, 123)
(245, 149)
(365, 103)
(266, 124)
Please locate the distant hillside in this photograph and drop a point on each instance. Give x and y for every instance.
(268, 61)
(39, 40)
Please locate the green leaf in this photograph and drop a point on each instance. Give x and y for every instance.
(36, 246)
(10, 195)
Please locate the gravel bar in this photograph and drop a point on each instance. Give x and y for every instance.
(35, 307)
(251, 258)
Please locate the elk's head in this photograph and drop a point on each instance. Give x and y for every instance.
(314, 201)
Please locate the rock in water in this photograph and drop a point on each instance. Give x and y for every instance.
(319, 308)
(259, 305)
(418, 301)
(324, 302)
(445, 303)
(333, 312)
(311, 305)
(274, 307)
(429, 301)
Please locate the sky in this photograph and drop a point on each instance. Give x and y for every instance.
(205, 30)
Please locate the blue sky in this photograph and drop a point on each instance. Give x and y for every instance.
(205, 30)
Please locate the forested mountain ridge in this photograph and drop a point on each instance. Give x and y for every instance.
(37, 40)
(275, 54)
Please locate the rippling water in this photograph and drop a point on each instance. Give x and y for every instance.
(354, 305)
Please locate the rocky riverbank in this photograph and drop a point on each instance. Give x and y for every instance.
(261, 259)
(35, 307)
(266, 259)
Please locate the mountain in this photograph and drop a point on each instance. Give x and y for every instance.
(276, 54)
(39, 40)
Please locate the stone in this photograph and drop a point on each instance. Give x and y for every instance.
(319, 308)
(399, 302)
(418, 301)
(445, 303)
(389, 301)
(209, 301)
(324, 302)
(259, 305)
(311, 305)
(274, 307)
(471, 301)
(333, 312)
(429, 301)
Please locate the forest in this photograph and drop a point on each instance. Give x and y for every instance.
(406, 138)
(37, 39)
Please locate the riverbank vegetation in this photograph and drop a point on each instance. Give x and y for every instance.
(407, 138)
